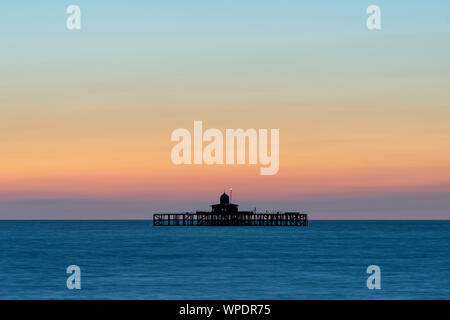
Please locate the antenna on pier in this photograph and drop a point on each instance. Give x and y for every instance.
(231, 195)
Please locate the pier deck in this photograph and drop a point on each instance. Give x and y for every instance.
(240, 219)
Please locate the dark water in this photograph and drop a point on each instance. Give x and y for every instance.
(134, 260)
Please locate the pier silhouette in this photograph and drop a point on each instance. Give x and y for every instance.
(226, 213)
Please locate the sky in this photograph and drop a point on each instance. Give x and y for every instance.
(86, 115)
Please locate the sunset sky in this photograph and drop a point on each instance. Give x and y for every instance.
(86, 115)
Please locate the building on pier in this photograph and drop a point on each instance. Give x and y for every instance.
(225, 207)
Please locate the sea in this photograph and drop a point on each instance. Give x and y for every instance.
(135, 260)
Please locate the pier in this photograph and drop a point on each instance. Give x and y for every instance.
(208, 219)
(227, 214)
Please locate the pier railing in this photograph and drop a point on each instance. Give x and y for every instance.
(213, 219)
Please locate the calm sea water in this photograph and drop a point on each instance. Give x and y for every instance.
(134, 260)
